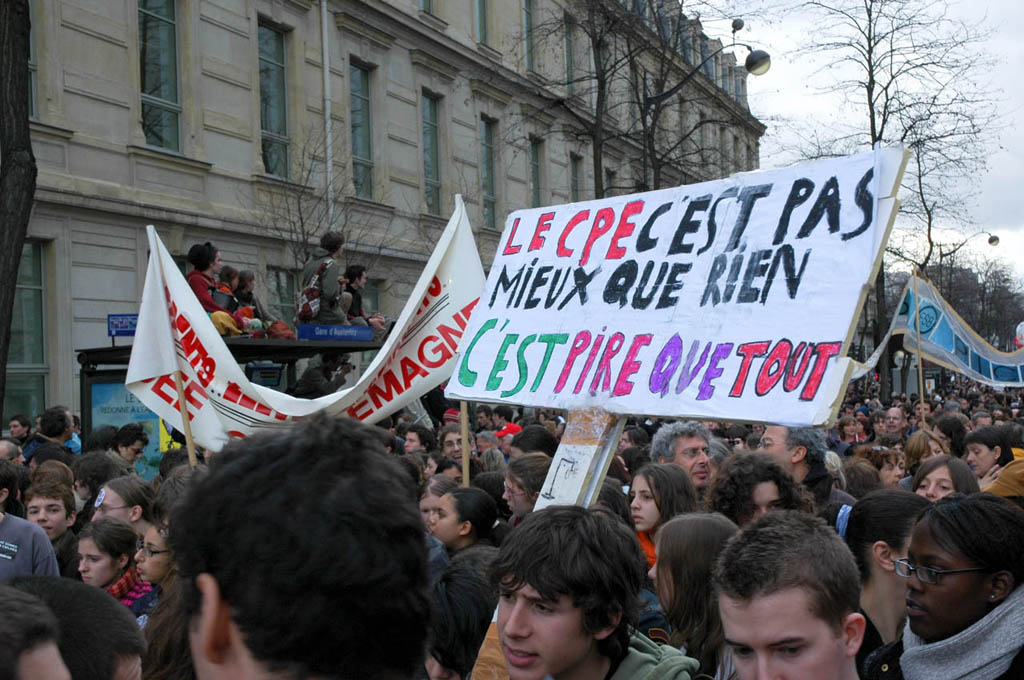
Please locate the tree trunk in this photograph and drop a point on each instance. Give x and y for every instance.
(17, 163)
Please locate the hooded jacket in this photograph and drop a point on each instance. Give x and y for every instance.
(647, 660)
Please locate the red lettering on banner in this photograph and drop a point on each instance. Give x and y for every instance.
(195, 396)
(233, 393)
(625, 228)
(450, 335)
(562, 251)
(377, 393)
(410, 369)
(509, 248)
(603, 221)
(748, 352)
(543, 224)
(357, 410)
(440, 350)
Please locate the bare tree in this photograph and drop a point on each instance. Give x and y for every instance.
(17, 162)
(300, 209)
(910, 73)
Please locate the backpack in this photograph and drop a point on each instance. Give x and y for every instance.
(308, 306)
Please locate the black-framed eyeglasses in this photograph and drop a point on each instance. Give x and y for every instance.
(927, 574)
(147, 551)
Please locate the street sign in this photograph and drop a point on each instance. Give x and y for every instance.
(121, 325)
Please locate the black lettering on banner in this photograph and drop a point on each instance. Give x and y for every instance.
(798, 194)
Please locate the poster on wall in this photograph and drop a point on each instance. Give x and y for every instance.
(112, 404)
(731, 299)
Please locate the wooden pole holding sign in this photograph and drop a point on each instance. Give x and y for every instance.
(185, 424)
(464, 423)
(581, 462)
(920, 352)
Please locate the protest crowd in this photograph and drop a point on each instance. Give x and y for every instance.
(889, 546)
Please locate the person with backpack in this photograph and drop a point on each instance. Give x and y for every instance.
(323, 300)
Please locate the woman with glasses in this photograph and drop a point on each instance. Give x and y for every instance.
(523, 481)
(965, 606)
(155, 563)
(105, 549)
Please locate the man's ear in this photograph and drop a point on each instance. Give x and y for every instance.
(4, 493)
(135, 513)
(610, 628)
(213, 635)
(72, 516)
(797, 454)
(851, 633)
(881, 553)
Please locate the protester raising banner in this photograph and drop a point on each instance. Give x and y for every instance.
(947, 340)
(732, 299)
(175, 333)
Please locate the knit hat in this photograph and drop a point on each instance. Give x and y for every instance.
(451, 416)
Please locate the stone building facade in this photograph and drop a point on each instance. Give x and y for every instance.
(206, 119)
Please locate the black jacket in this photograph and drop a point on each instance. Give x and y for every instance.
(884, 664)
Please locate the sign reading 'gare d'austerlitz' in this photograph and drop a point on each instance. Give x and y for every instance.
(730, 299)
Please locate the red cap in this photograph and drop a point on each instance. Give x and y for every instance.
(451, 416)
(510, 428)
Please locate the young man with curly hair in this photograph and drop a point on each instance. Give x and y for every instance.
(302, 554)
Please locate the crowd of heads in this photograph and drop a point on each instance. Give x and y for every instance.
(730, 550)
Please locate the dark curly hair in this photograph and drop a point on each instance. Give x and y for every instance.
(315, 555)
(732, 494)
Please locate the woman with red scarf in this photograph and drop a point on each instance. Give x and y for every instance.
(105, 548)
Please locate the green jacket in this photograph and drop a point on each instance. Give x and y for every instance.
(647, 660)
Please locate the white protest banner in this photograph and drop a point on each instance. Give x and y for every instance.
(174, 332)
(947, 340)
(726, 300)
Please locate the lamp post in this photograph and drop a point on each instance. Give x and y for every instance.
(757, 63)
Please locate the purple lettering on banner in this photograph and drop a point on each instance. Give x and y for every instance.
(690, 371)
(665, 365)
(713, 371)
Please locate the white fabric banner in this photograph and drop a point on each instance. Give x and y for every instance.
(175, 333)
(947, 340)
(726, 300)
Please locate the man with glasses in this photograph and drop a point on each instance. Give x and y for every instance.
(801, 452)
(686, 445)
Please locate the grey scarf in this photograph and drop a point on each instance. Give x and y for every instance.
(983, 651)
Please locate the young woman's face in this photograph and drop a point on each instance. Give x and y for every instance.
(429, 504)
(766, 498)
(98, 568)
(445, 525)
(154, 558)
(216, 265)
(981, 458)
(892, 473)
(938, 611)
(934, 449)
(850, 431)
(519, 501)
(936, 484)
(645, 511)
(430, 469)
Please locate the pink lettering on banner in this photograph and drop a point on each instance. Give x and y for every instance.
(433, 352)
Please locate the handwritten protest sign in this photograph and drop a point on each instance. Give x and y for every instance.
(947, 340)
(732, 299)
(174, 333)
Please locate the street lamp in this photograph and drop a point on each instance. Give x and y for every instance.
(757, 63)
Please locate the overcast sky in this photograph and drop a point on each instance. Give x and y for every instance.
(787, 100)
